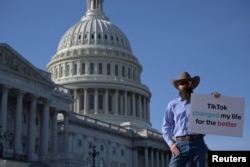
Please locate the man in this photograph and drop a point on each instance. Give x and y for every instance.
(185, 146)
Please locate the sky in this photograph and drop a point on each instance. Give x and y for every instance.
(210, 39)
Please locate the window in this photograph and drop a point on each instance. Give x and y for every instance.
(100, 102)
(37, 121)
(60, 71)
(83, 68)
(100, 68)
(91, 102)
(94, 7)
(90, 145)
(67, 70)
(75, 69)
(108, 69)
(129, 71)
(24, 117)
(36, 148)
(131, 106)
(81, 102)
(136, 107)
(110, 103)
(56, 72)
(79, 142)
(122, 152)
(116, 70)
(120, 111)
(113, 150)
(133, 74)
(101, 148)
(123, 71)
(91, 68)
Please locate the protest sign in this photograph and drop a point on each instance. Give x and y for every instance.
(219, 116)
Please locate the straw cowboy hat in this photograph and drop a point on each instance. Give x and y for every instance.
(185, 76)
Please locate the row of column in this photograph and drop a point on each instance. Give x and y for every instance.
(152, 157)
(123, 102)
(31, 131)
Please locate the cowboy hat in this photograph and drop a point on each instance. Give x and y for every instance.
(185, 76)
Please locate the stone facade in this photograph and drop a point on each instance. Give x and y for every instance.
(30, 102)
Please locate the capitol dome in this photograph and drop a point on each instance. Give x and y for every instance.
(94, 30)
(95, 63)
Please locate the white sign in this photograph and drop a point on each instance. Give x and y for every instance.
(219, 116)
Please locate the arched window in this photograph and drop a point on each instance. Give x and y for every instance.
(91, 71)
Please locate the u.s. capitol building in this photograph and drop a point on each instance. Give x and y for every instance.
(89, 109)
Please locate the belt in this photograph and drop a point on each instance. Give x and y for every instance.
(190, 137)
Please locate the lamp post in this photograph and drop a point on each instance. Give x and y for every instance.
(93, 154)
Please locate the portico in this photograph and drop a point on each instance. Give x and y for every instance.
(29, 108)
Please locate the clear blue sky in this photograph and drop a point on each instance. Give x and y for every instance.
(206, 38)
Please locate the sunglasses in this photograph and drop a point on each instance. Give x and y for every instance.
(184, 83)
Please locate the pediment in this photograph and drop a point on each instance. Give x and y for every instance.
(13, 63)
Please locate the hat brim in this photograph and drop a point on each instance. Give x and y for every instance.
(195, 81)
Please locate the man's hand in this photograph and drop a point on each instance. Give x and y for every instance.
(174, 149)
(216, 94)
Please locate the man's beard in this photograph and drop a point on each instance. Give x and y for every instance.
(185, 94)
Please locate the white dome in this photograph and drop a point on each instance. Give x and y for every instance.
(95, 63)
(94, 30)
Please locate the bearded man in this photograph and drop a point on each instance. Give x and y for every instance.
(184, 145)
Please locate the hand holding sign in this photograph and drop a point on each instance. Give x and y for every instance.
(216, 94)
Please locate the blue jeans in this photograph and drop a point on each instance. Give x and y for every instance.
(194, 152)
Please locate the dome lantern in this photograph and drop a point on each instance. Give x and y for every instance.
(95, 9)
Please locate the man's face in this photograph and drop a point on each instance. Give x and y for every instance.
(185, 89)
